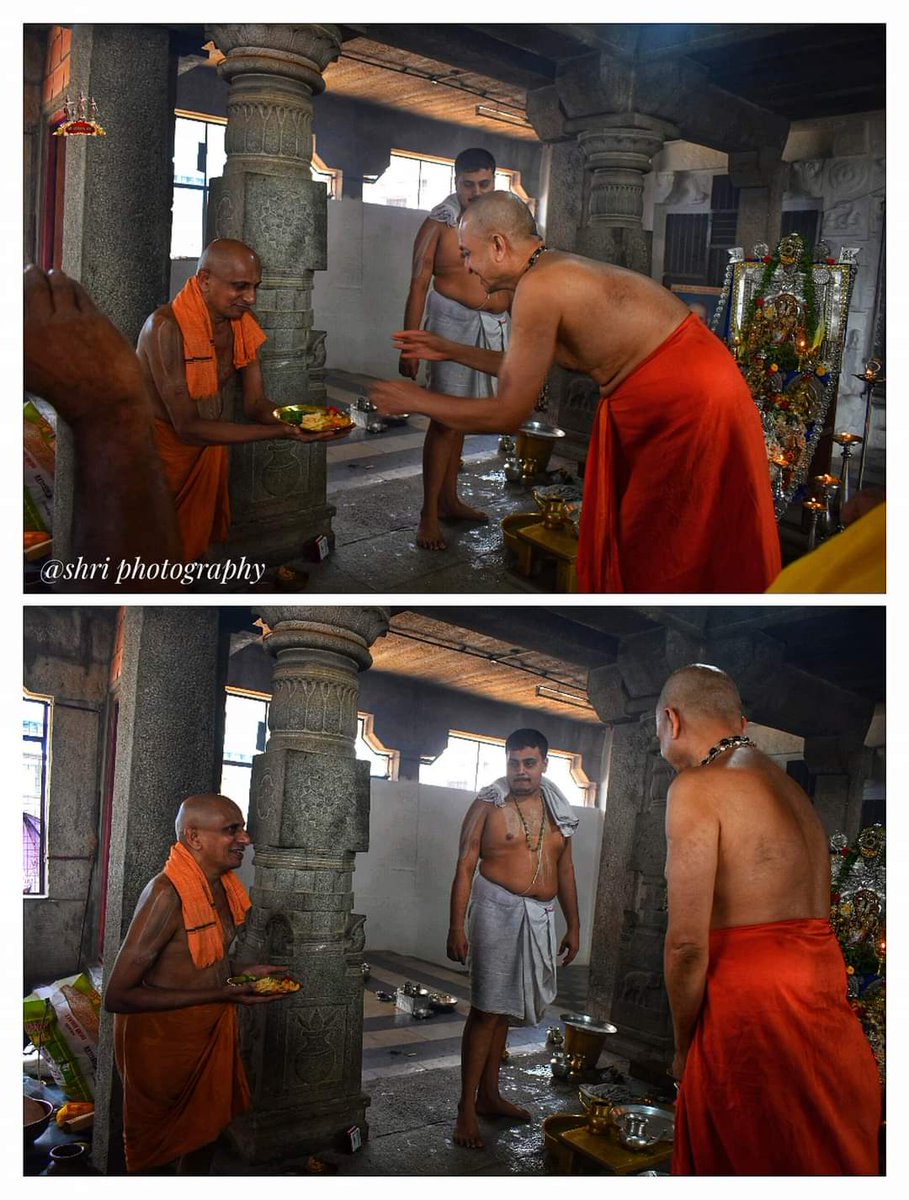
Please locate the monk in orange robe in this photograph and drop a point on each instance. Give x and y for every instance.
(777, 1077)
(176, 1032)
(677, 496)
(189, 349)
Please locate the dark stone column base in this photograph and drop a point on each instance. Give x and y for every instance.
(292, 1133)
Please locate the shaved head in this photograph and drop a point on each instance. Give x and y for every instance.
(202, 811)
(702, 692)
(227, 256)
(500, 212)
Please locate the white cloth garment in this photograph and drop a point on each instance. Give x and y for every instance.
(559, 808)
(513, 950)
(471, 327)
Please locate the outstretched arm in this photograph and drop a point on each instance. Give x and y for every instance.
(80, 363)
(417, 344)
(468, 857)
(534, 325)
(692, 837)
(259, 408)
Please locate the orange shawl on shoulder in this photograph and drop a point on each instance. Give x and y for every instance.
(200, 360)
(200, 918)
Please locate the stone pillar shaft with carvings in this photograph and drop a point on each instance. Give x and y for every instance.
(268, 199)
(308, 816)
(617, 155)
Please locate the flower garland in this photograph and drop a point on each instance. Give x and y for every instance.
(857, 917)
(778, 352)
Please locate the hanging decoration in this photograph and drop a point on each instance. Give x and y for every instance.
(80, 119)
(783, 315)
(857, 913)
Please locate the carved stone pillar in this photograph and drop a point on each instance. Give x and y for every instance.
(761, 177)
(618, 149)
(594, 206)
(268, 199)
(308, 816)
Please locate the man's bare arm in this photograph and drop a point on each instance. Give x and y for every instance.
(80, 363)
(432, 347)
(161, 346)
(568, 901)
(468, 857)
(692, 837)
(424, 257)
(534, 325)
(258, 407)
(157, 918)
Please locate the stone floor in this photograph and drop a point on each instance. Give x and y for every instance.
(374, 480)
(375, 483)
(411, 1071)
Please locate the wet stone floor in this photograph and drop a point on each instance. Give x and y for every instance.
(411, 1072)
(375, 483)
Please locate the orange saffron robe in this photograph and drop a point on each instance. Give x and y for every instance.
(197, 475)
(197, 478)
(183, 1080)
(677, 491)
(780, 1078)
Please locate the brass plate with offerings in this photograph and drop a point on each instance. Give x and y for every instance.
(315, 418)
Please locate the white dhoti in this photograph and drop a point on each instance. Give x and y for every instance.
(470, 327)
(513, 952)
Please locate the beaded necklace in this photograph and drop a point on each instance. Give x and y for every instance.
(724, 744)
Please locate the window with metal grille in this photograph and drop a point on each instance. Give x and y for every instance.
(685, 259)
(697, 244)
(35, 749)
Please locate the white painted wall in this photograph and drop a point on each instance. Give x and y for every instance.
(403, 882)
(360, 299)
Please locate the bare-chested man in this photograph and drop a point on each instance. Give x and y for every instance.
(80, 363)
(176, 1035)
(517, 831)
(189, 349)
(461, 308)
(766, 1045)
(677, 435)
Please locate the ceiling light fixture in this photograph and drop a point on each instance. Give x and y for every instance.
(551, 693)
(499, 114)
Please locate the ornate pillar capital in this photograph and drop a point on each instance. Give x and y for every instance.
(298, 52)
(618, 149)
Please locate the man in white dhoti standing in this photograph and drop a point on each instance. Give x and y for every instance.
(459, 307)
(517, 832)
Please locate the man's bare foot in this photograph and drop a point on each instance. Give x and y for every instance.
(429, 535)
(498, 1106)
(467, 1132)
(459, 511)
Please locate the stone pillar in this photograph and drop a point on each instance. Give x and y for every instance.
(268, 199)
(840, 766)
(626, 957)
(118, 197)
(309, 815)
(594, 206)
(761, 177)
(618, 149)
(119, 188)
(34, 53)
(167, 748)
